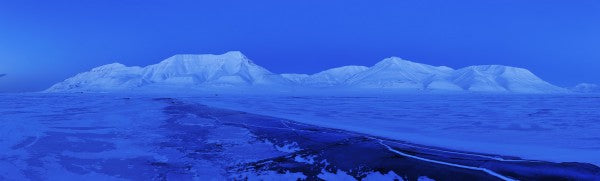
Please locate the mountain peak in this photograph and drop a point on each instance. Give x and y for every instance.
(108, 67)
(231, 56)
(490, 67)
(399, 63)
(235, 54)
(393, 60)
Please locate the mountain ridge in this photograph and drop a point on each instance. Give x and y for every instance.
(586, 88)
(233, 70)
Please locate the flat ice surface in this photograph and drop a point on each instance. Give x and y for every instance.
(114, 137)
(110, 136)
(560, 128)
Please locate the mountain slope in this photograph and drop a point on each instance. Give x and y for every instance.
(234, 71)
(334, 76)
(104, 78)
(295, 78)
(498, 78)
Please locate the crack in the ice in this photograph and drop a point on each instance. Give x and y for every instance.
(488, 171)
(496, 158)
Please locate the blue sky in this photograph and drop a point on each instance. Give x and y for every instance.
(43, 42)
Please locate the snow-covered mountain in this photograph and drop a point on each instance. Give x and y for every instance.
(586, 88)
(295, 78)
(498, 78)
(234, 71)
(108, 77)
(396, 73)
(333, 77)
(231, 69)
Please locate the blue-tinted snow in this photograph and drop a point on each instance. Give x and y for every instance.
(147, 137)
(546, 127)
(234, 73)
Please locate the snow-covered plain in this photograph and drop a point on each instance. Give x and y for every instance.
(560, 128)
(175, 137)
(115, 137)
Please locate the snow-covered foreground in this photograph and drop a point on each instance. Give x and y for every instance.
(158, 137)
(561, 128)
(118, 137)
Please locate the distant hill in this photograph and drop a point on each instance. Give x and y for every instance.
(234, 71)
(2, 75)
(586, 88)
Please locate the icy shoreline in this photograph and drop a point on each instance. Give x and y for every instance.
(559, 141)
